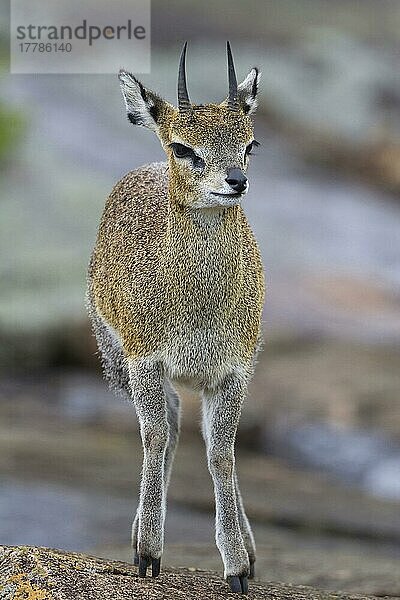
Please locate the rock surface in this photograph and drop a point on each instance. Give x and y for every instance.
(32, 573)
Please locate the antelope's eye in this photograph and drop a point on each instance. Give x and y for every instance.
(250, 147)
(182, 151)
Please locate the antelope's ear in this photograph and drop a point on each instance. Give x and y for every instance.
(143, 106)
(248, 90)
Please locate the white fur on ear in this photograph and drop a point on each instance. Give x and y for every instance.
(142, 105)
(248, 90)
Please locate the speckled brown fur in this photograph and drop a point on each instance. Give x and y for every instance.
(155, 270)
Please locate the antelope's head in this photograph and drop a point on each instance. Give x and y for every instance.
(207, 145)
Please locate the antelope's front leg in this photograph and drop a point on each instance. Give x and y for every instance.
(173, 415)
(221, 413)
(150, 403)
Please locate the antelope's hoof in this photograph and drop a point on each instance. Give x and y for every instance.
(145, 561)
(238, 584)
(252, 572)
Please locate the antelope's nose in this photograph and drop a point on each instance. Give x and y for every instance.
(236, 179)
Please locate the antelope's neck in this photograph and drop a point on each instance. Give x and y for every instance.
(204, 246)
(213, 225)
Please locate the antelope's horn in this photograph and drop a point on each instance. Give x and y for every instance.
(184, 103)
(233, 102)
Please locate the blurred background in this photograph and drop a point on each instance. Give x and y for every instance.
(319, 443)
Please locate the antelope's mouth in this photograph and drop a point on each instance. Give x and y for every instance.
(232, 195)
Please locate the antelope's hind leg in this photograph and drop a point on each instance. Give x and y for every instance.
(245, 528)
(149, 398)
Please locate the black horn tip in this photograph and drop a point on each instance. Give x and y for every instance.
(183, 55)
